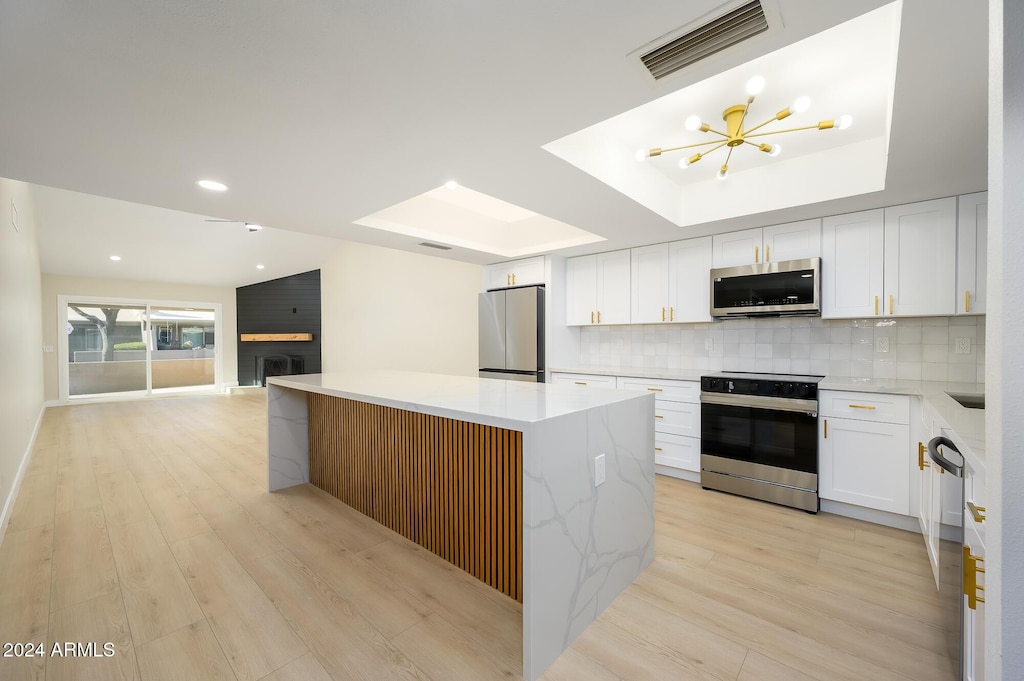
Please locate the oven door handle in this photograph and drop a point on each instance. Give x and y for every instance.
(760, 402)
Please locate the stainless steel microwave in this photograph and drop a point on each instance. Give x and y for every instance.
(771, 289)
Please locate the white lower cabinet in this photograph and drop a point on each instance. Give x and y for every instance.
(974, 609)
(863, 459)
(676, 420)
(584, 380)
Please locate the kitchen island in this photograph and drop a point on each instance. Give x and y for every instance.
(497, 477)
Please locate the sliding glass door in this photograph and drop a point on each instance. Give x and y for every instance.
(126, 347)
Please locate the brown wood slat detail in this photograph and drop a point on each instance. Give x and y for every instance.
(252, 337)
(455, 488)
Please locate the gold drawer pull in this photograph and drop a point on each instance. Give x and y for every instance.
(657, 449)
(860, 406)
(658, 416)
(580, 382)
(655, 390)
(977, 512)
(921, 463)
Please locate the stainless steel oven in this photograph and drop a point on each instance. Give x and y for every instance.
(759, 437)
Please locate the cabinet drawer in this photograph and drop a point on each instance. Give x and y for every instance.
(584, 380)
(677, 418)
(865, 406)
(975, 512)
(677, 451)
(674, 391)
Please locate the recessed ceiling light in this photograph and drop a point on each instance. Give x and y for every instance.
(451, 184)
(115, 257)
(252, 227)
(259, 267)
(212, 185)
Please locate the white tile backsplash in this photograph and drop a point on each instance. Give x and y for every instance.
(921, 348)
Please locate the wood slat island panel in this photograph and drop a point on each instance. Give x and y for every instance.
(453, 487)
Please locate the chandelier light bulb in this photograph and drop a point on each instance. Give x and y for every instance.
(776, 150)
(641, 155)
(723, 172)
(845, 121)
(801, 104)
(684, 162)
(692, 123)
(755, 86)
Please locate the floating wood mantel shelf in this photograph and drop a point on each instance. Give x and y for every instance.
(249, 337)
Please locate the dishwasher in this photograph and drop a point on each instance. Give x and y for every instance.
(951, 557)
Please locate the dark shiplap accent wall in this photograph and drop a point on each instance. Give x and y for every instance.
(286, 305)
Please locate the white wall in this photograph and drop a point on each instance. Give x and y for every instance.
(21, 362)
(1004, 433)
(53, 286)
(389, 309)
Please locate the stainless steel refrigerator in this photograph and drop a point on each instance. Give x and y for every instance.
(512, 334)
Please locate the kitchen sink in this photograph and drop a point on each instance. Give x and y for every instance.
(968, 400)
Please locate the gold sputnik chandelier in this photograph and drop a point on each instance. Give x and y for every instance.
(735, 135)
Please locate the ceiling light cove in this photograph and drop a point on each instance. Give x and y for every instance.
(849, 69)
(212, 185)
(458, 216)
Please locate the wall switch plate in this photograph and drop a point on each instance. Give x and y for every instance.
(882, 344)
(599, 471)
(709, 344)
(963, 346)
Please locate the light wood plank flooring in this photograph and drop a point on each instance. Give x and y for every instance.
(147, 525)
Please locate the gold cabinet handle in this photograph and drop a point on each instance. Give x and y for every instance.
(513, 279)
(767, 253)
(967, 301)
(671, 314)
(757, 254)
(977, 512)
(598, 316)
(876, 305)
(657, 449)
(658, 416)
(662, 314)
(508, 280)
(860, 406)
(591, 316)
(655, 390)
(971, 586)
(580, 382)
(890, 303)
(826, 428)
(921, 463)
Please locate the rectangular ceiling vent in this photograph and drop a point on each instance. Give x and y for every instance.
(731, 28)
(439, 247)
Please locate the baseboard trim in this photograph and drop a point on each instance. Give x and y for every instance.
(52, 403)
(679, 473)
(900, 522)
(20, 475)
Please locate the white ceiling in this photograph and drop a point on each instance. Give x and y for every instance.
(319, 113)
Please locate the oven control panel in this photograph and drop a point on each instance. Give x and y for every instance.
(767, 385)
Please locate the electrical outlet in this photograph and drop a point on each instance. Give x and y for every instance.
(963, 346)
(709, 344)
(599, 471)
(882, 344)
(47, 348)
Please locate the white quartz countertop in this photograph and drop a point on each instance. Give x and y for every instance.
(967, 426)
(480, 400)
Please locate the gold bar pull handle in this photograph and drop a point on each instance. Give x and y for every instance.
(658, 416)
(970, 571)
(671, 314)
(890, 303)
(967, 301)
(598, 316)
(767, 253)
(513, 279)
(662, 314)
(757, 254)
(655, 390)
(876, 305)
(657, 449)
(826, 428)
(591, 316)
(580, 382)
(921, 463)
(508, 279)
(861, 406)
(977, 512)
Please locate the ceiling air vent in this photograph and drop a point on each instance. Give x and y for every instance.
(735, 26)
(439, 247)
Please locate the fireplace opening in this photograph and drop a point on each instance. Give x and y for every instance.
(276, 365)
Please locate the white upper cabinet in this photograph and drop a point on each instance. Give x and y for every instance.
(736, 248)
(597, 289)
(789, 241)
(892, 262)
(792, 241)
(972, 247)
(671, 282)
(689, 280)
(920, 259)
(514, 273)
(852, 254)
(650, 281)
